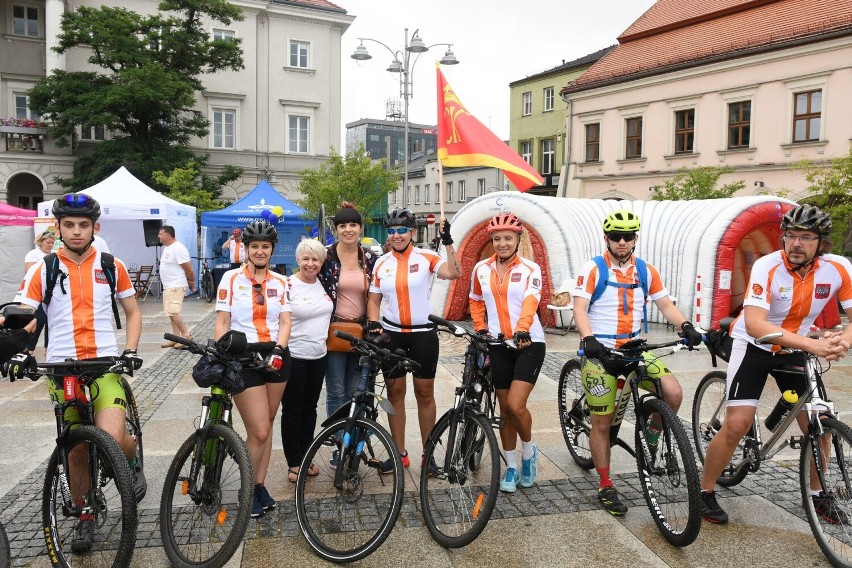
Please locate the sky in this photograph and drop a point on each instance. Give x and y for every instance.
(496, 42)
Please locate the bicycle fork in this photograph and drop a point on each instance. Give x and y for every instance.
(207, 453)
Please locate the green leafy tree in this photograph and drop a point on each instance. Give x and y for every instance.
(149, 70)
(831, 189)
(696, 183)
(353, 177)
(192, 187)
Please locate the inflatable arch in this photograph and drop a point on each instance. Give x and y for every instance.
(704, 249)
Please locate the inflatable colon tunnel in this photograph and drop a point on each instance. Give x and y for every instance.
(704, 249)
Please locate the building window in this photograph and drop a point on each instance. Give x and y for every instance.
(93, 133)
(22, 107)
(739, 124)
(25, 21)
(547, 156)
(426, 196)
(685, 131)
(527, 104)
(417, 195)
(299, 134)
(526, 151)
(593, 142)
(633, 147)
(299, 54)
(449, 192)
(462, 195)
(437, 193)
(807, 118)
(548, 99)
(224, 128)
(480, 187)
(223, 35)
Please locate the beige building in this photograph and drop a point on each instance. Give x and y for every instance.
(750, 84)
(278, 115)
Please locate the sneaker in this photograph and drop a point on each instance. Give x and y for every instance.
(387, 465)
(263, 497)
(256, 508)
(608, 497)
(84, 534)
(433, 469)
(827, 508)
(335, 459)
(710, 509)
(140, 484)
(529, 469)
(510, 481)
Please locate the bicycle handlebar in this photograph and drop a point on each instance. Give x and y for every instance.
(631, 352)
(369, 348)
(76, 366)
(198, 349)
(487, 339)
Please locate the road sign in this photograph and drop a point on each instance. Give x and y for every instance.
(430, 219)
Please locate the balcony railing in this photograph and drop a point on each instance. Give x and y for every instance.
(24, 139)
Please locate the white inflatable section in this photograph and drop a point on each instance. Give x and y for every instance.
(680, 238)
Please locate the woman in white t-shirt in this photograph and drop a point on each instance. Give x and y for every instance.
(311, 313)
(44, 245)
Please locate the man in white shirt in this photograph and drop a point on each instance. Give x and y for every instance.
(99, 241)
(176, 275)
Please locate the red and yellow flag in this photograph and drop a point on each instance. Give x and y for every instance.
(464, 141)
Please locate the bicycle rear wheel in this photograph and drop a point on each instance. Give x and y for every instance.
(207, 287)
(708, 415)
(205, 529)
(348, 522)
(133, 425)
(5, 555)
(830, 515)
(98, 472)
(458, 501)
(670, 480)
(574, 414)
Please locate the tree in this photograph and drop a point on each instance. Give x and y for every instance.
(353, 178)
(192, 187)
(831, 188)
(697, 183)
(144, 91)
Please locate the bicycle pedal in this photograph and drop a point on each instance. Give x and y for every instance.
(374, 463)
(796, 442)
(497, 423)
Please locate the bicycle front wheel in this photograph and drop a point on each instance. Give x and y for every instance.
(669, 475)
(574, 414)
(133, 425)
(830, 513)
(207, 287)
(5, 555)
(346, 515)
(458, 493)
(104, 532)
(205, 528)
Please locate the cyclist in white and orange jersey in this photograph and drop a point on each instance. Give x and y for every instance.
(787, 290)
(403, 277)
(253, 299)
(80, 326)
(609, 306)
(505, 290)
(235, 248)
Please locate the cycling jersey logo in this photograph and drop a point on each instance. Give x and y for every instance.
(413, 268)
(757, 289)
(100, 277)
(536, 283)
(516, 277)
(579, 281)
(223, 294)
(822, 291)
(271, 293)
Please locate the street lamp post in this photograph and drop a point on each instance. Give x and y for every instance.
(402, 64)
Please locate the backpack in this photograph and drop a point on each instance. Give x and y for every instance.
(54, 273)
(603, 282)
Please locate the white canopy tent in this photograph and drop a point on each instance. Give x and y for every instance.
(125, 203)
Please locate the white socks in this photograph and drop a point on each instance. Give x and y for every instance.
(511, 458)
(527, 449)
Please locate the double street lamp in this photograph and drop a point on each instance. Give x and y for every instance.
(403, 65)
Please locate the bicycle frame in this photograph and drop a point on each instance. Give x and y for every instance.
(215, 409)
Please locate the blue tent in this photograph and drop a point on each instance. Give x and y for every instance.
(217, 225)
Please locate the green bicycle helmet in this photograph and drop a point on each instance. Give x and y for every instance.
(622, 220)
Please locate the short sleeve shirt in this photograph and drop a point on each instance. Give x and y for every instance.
(311, 313)
(172, 273)
(239, 295)
(404, 280)
(504, 299)
(236, 252)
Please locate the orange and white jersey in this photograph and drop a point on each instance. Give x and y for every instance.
(240, 295)
(794, 302)
(237, 252)
(79, 317)
(619, 311)
(404, 281)
(511, 303)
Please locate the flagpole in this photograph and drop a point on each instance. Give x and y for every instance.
(441, 187)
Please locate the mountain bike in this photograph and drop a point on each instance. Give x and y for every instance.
(206, 286)
(668, 473)
(207, 494)
(457, 496)
(88, 483)
(826, 451)
(348, 510)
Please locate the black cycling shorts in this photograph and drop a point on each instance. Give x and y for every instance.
(421, 346)
(509, 365)
(748, 370)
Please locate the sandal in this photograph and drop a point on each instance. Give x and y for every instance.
(313, 470)
(293, 474)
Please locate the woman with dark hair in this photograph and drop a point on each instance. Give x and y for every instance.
(345, 275)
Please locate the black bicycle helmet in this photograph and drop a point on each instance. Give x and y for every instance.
(76, 205)
(260, 230)
(400, 217)
(807, 218)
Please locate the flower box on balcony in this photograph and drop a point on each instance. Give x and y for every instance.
(22, 130)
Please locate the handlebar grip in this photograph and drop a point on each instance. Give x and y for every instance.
(178, 339)
(345, 336)
(441, 321)
(261, 346)
(581, 352)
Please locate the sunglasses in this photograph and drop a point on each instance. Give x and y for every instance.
(76, 200)
(258, 296)
(399, 231)
(616, 236)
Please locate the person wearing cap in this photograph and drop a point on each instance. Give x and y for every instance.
(235, 249)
